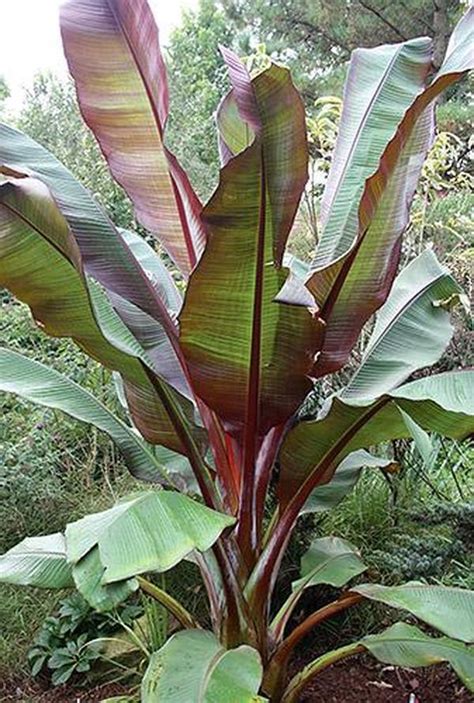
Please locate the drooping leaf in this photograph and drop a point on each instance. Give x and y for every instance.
(411, 329)
(312, 449)
(248, 356)
(105, 255)
(420, 438)
(114, 56)
(41, 264)
(39, 384)
(37, 561)
(345, 477)
(366, 209)
(193, 666)
(450, 610)
(150, 531)
(405, 645)
(151, 334)
(88, 576)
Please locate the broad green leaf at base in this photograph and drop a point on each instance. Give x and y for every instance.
(150, 531)
(193, 667)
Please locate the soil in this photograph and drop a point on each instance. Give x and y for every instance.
(25, 691)
(366, 681)
(357, 681)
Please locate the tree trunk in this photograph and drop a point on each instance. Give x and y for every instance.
(441, 31)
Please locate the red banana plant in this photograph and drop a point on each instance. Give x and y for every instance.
(213, 385)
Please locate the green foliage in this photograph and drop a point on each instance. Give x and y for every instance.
(71, 641)
(4, 92)
(314, 37)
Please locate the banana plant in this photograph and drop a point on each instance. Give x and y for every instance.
(213, 384)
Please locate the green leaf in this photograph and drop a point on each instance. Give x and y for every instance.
(123, 95)
(39, 384)
(156, 271)
(421, 438)
(62, 675)
(345, 477)
(88, 575)
(151, 531)
(385, 132)
(153, 336)
(405, 645)
(235, 134)
(193, 666)
(105, 254)
(263, 349)
(312, 450)
(329, 560)
(41, 264)
(37, 561)
(410, 331)
(381, 84)
(450, 610)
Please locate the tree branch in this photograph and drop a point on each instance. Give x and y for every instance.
(383, 19)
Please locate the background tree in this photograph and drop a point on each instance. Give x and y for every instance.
(198, 81)
(4, 92)
(323, 33)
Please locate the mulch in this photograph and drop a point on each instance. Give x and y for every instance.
(356, 681)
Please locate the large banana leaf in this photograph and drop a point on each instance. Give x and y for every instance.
(37, 561)
(36, 382)
(114, 56)
(150, 531)
(193, 666)
(248, 356)
(105, 254)
(450, 610)
(312, 449)
(412, 329)
(399, 645)
(41, 264)
(381, 85)
(363, 222)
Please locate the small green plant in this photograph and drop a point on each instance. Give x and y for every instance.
(213, 383)
(77, 657)
(70, 642)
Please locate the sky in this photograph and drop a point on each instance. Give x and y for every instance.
(30, 41)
